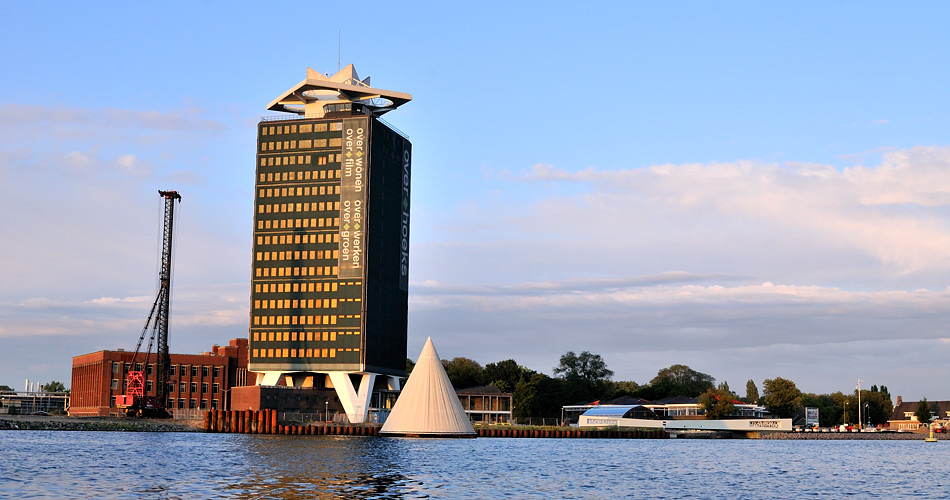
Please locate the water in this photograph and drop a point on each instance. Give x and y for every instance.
(47, 464)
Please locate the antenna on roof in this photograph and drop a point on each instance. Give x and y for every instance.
(338, 67)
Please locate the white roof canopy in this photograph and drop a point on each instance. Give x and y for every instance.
(313, 94)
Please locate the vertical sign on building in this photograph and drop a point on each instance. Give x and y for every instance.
(353, 198)
(404, 220)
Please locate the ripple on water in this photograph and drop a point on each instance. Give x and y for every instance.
(186, 465)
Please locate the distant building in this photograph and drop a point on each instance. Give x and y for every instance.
(330, 273)
(671, 408)
(486, 404)
(904, 416)
(197, 381)
(30, 402)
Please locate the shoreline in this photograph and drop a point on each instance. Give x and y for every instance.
(65, 423)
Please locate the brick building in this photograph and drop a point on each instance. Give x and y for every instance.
(196, 381)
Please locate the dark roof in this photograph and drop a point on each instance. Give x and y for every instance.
(940, 408)
(625, 400)
(482, 390)
(676, 400)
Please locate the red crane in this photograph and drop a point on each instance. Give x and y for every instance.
(135, 401)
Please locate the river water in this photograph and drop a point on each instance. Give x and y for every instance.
(64, 464)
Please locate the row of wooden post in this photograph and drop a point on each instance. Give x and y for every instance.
(516, 432)
(265, 422)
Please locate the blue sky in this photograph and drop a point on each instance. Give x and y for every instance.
(755, 190)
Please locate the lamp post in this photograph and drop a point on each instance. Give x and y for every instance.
(326, 415)
(867, 415)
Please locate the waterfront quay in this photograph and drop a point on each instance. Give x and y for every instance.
(267, 422)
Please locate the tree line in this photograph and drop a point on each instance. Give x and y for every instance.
(584, 377)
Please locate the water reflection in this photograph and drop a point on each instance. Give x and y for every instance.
(48, 464)
(323, 466)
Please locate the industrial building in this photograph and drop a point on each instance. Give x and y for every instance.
(330, 272)
(197, 382)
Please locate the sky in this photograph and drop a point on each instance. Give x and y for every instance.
(753, 189)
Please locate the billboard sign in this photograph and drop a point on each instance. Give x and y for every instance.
(353, 176)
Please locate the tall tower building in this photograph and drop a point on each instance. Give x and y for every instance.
(330, 272)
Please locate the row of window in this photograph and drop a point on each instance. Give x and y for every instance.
(299, 336)
(301, 287)
(313, 223)
(281, 320)
(181, 386)
(302, 353)
(274, 160)
(335, 142)
(192, 403)
(314, 206)
(183, 369)
(298, 255)
(286, 272)
(301, 304)
(299, 239)
(305, 128)
(298, 176)
(324, 190)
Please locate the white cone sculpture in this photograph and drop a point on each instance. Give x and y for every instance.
(428, 405)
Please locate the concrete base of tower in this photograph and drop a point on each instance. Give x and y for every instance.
(362, 397)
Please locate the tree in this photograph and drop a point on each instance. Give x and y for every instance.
(54, 386)
(782, 398)
(623, 388)
(410, 364)
(464, 372)
(717, 403)
(505, 374)
(678, 380)
(538, 396)
(6, 388)
(923, 412)
(751, 392)
(585, 366)
(584, 376)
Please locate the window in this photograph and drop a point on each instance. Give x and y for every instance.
(138, 367)
(150, 368)
(192, 404)
(115, 384)
(204, 387)
(214, 388)
(181, 403)
(204, 371)
(194, 370)
(204, 404)
(112, 401)
(116, 367)
(194, 387)
(148, 385)
(214, 404)
(217, 370)
(171, 370)
(182, 387)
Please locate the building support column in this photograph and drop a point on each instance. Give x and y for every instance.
(355, 402)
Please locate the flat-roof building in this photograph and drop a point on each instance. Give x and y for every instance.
(330, 273)
(196, 381)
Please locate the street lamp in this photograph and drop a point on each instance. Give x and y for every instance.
(326, 415)
(867, 415)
